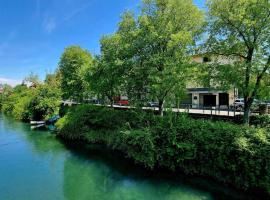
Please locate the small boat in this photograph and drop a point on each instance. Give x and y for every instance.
(37, 126)
(37, 122)
(53, 119)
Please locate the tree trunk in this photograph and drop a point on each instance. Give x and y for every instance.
(246, 115)
(111, 100)
(161, 107)
(247, 108)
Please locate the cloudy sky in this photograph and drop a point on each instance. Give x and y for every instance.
(34, 33)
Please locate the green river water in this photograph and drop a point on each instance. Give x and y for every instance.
(35, 165)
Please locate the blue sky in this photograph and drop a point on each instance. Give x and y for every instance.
(34, 33)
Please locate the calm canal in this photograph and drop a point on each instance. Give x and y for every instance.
(35, 165)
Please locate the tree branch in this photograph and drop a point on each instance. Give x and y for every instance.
(228, 21)
(227, 54)
(260, 76)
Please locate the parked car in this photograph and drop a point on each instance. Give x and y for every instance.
(121, 101)
(69, 102)
(239, 104)
(152, 104)
(93, 101)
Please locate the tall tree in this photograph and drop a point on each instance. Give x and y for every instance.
(160, 41)
(5, 91)
(73, 64)
(106, 77)
(32, 79)
(240, 30)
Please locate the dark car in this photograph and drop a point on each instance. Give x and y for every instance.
(93, 101)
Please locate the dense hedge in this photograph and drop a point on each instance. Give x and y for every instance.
(231, 154)
(262, 121)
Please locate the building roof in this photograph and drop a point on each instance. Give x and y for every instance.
(202, 90)
(198, 89)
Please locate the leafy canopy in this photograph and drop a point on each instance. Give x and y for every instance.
(74, 62)
(240, 30)
(152, 51)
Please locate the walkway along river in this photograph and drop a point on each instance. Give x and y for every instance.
(35, 165)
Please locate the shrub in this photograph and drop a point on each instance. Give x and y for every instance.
(63, 109)
(32, 103)
(262, 121)
(20, 110)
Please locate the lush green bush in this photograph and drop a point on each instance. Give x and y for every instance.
(32, 103)
(260, 121)
(6, 91)
(63, 109)
(21, 109)
(231, 154)
(81, 119)
(17, 102)
(45, 101)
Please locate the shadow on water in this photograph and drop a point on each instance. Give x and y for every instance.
(169, 185)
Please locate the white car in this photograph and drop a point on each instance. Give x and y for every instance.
(152, 104)
(239, 104)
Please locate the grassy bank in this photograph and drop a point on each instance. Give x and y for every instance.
(230, 154)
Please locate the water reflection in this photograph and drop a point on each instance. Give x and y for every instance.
(118, 180)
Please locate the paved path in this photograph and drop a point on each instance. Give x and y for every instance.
(193, 111)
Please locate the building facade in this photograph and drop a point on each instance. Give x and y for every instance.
(201, 97)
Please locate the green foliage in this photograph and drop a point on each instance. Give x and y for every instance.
(232, 154)
(260, 121)
(74, 63)
(21, 109)
(241, 32)
(6, 91)
(63, 109)
(32, 79)
(148, 57)
(44, 101)
(86, 117)
(105, 79)
(34, 103)
(163, 40)
(139, 145)
(16, 103)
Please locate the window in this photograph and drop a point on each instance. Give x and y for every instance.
(206, 59)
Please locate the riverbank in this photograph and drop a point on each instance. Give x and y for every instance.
(230, 154)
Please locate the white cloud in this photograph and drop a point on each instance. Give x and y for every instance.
(49, 24)
(76, 11)
(54, 18)
(12, 82)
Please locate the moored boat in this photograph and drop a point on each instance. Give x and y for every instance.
(37, 122)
